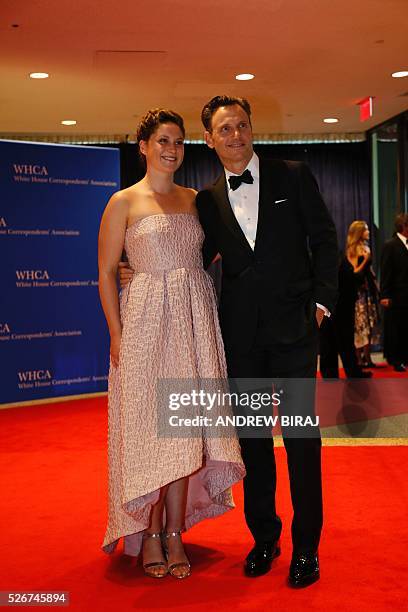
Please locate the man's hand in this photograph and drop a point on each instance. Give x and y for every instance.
(319, 315)
(125, 274)
(386, 302)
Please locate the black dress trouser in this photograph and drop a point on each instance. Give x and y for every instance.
(296, 360)
(337, 338)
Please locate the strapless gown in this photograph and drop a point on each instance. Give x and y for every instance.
(170, 330)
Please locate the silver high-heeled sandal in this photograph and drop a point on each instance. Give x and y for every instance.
(154, 564)
(180, 564)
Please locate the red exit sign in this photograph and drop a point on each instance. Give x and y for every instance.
(366, 108)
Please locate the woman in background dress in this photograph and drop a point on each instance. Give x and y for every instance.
(366, 313)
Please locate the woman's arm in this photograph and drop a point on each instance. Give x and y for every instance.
(110, 246)
(354, 261)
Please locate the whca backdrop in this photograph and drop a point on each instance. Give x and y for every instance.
(53, 336)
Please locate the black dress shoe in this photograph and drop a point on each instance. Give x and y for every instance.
(369, 364)
(259, 560)
(304, 570)
(399, 367)
(360, 374)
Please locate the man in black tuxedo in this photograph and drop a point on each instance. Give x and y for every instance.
(394, 295)
(278, 245)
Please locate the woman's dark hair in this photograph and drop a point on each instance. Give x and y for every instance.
(151, 121)
(211, 106)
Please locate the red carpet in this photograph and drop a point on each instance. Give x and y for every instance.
(53, 513)
(383, 370)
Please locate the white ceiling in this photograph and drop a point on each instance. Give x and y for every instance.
(109, 61)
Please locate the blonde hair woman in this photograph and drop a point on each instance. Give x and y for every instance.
(366, 316)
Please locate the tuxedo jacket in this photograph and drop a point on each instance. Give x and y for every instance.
(294, 264)
(394, 273)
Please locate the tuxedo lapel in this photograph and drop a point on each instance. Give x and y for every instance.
(220, 194)
(401, 247)
(271, 188)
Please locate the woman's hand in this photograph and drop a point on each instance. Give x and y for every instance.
(114, 350)
(319, 315)
(367, 255)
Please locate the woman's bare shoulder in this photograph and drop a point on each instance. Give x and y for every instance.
(188, 196)
(188, 192)
(125, 199)
(130, 193)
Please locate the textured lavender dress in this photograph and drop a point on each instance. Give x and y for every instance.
(170, 330)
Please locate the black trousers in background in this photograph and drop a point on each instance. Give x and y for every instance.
(396, 335)
(337, 338)
(297, 360)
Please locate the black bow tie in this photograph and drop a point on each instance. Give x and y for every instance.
(235, 181)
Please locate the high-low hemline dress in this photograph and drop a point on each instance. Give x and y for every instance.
(170, 330)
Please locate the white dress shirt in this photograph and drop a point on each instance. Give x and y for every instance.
(404, 240)
(244, 203)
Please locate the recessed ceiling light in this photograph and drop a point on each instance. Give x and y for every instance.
(330, 120)
(69, 122)
(400, 74)
(245, 77)
(39, 75)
